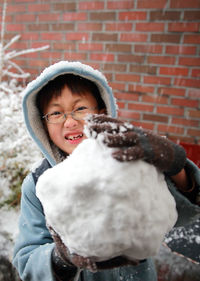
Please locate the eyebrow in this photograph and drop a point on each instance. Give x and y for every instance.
(58, 104)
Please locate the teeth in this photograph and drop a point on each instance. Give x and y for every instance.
(74, 137)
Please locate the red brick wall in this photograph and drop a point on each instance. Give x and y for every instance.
(148, 50)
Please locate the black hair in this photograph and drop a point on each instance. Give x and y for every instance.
(75, 83)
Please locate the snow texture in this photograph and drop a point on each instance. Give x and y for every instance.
(104, 208)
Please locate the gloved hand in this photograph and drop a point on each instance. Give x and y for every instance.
(134, 143)
(74, 260)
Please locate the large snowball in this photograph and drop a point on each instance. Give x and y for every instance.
(104, 208)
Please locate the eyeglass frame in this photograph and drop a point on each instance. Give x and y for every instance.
(65, 115)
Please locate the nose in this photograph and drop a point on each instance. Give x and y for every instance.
(70, 122)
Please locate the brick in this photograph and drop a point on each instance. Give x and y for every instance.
(71, 6)
(119, 48)
(103, 16)
(155, 99)
(157, 80)
(165, 38)
(15, 27)
(136, 15)
(117, 86)
(90, 47)
(182, 50)
(143, 69)
(194, 83)
(127, 77)
(139, 48)
(171, 91)
(121, 105)
(170, 129)
(74, 16)
(161, 60)
(194, 93)
(13, 9)
(183, 27)
(191, 39)
(94, 5)
(184, 4)
(169, 110)
(30, 36)
(34, 8)
(155, 118)
(179, 139)
(177, 71)
(141, 88)
(191, 15)
(49, 17)
(25, 18)
(120, 4)
(127, 96)
(104, 37)
(102, 57)
(87, 26)
(195, 72)
(77, 36)
(184, 102)
(194, 114)
(141, 107)
(153, 4)
(166, 15)
(51, 36)
(75, 56)
(51, 55)
(38, 27)
(129, 115)
(189, 61)
(144, 125)
(185, 122)
(114, 67)
(62, 26)
(118, 26)
(193, 132)
(130, 58)
(64, 46)
(39, 63)
(133, 37)
(38, 44)
(149, 26)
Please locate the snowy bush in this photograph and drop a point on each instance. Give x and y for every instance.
(16, 149)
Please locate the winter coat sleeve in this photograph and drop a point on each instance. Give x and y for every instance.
(33, 249)
(188, 212)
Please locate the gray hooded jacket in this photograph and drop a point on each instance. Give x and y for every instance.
(34, 246)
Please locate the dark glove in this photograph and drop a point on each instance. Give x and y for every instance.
(134, 143)
(66, 264)
(61, 253)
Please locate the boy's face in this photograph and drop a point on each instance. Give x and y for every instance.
(68, 134)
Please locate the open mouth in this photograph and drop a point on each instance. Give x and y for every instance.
(75, 137)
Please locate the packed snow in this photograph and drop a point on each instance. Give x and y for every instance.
(104, 208)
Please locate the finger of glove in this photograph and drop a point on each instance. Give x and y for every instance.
(129, 154)
(115, 262)
(121, 140)
(102, 118)
(83, 262)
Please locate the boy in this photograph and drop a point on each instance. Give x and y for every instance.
(54, 106)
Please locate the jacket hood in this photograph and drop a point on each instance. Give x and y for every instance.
(31, 113)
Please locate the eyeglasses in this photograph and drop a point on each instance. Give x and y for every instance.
(77, 114)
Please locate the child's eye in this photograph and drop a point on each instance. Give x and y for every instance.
(81, 108)
(55, 113)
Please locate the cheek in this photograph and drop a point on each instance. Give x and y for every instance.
(54, 133)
